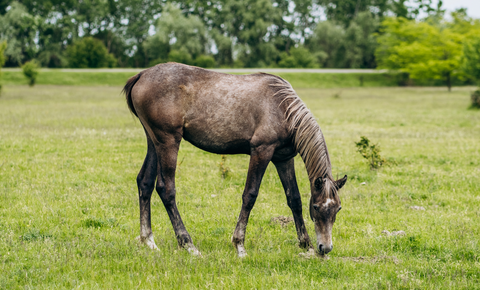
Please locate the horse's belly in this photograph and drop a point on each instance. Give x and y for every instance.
(217, 140)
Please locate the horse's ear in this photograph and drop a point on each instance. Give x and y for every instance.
(319, 183)
(340, 182)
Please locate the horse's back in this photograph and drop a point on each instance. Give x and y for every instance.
(217, 112)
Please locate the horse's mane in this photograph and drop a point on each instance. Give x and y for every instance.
(307, 136)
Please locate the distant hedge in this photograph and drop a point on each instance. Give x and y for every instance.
(298, 80)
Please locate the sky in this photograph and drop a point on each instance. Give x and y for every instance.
(473, 6)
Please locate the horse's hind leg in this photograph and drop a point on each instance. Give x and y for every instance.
(286, 171)
(167, 152)
(146, 183)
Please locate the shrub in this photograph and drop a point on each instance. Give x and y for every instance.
(205, 61)
(476, 99)
(180, 56)
(30, 70)
(89, 52)
(299, 57)
(371, 152)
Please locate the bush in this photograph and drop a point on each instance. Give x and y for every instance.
(476, 99)
(371, 152)
(180, 56)
(30, 70)
(299, 57)
(205, 61)
(89, 52)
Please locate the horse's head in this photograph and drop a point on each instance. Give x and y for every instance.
(324, 206)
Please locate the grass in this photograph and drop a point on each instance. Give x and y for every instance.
(303, 80)
(298, 80)
(69, 209)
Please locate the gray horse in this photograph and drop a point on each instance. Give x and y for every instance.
(257, 114)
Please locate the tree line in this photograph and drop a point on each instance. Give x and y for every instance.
(237, 33)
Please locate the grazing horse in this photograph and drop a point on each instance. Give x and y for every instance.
(257, 114)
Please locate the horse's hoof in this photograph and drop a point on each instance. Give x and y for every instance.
(241, 251)
(148, 241)
(193, 251)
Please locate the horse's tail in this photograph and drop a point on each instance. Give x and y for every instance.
(127, 90)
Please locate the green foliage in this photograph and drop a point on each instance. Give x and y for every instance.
(299, 57)
(475, 98)
(350, 47)
(425, 50)
(18, 27)
(30, 71)
(89, 52)
(345, 11)
(471, 57)
(3, 45)
(371, 152)
(180, 56)
(205, 61)
(178, 37)
(224, 169)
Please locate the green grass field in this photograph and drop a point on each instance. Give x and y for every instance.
(69, 156)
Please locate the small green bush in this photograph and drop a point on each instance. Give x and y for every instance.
(371, 152)
(476, 99)
(205, 61)
(299, 57)
(180, 56)
(89, 52)
(30, 70)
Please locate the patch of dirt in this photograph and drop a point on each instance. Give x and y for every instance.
(416, 207)
(282, 220)
(373, 260)
(311, 254)
(397, 233)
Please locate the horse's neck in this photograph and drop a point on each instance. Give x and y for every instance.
(315, 155)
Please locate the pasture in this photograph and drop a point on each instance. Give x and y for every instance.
(69, 156)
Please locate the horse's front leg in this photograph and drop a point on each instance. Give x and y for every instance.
(259, 159)
(286, 171)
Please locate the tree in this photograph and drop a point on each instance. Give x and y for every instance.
(19, 28)
(421, 49)
(471, 65)
(471, 57)
(178, 37)
(89, 52)
(327, 43)
(360, 41)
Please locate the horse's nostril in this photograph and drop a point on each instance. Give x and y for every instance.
(320, 248)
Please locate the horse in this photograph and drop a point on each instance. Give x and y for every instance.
(257, 114)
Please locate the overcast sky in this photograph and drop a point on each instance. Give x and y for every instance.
(473, 6)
